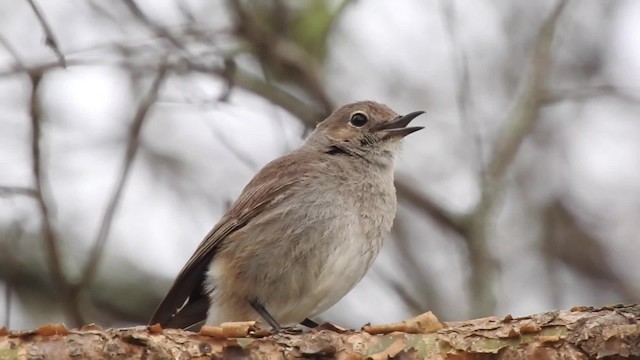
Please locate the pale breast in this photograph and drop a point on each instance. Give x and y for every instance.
(369, 207)
(315, 246)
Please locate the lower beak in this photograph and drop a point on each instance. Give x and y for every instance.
(398, 127)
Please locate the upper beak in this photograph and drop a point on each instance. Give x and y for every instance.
(398, 127)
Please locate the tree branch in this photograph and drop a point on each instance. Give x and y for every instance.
(579, 333)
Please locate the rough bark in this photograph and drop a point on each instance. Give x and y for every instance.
(580, 333)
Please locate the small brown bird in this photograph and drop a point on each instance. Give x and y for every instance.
(303, 232)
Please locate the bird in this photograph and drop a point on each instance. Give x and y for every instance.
(302, 233)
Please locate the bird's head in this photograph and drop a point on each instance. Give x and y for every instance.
(366, 129)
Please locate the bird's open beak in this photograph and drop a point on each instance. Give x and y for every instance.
(398, 127)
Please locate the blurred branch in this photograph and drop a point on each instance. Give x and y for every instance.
(92, 263)
(17, 190)
(50, 39)
(42, 68)
(67, 297)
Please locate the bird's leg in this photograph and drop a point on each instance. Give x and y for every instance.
(309, 323)
(262, 311)
(259, 308)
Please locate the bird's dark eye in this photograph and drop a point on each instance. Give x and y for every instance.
(358, 120)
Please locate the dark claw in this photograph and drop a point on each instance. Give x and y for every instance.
(309, 323)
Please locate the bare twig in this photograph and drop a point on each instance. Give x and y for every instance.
(69, 300)
(50, 39)
(133, 144)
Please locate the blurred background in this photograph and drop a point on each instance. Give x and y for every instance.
(128, 127)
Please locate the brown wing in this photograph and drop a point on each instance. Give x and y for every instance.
(186, 303)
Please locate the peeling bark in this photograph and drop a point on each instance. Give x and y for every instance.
(580, 333)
